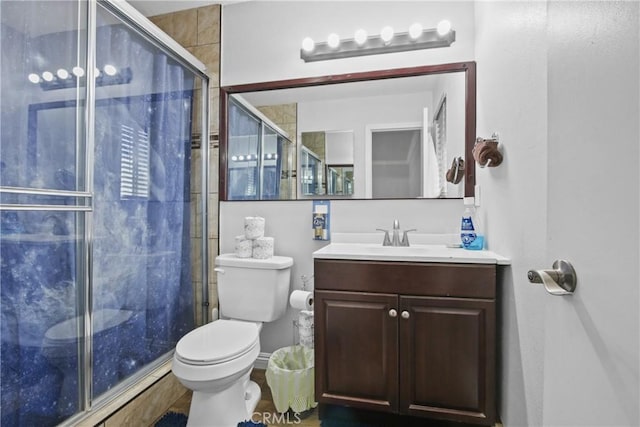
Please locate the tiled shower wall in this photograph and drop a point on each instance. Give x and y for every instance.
(198, 30)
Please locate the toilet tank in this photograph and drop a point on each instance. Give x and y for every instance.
(253, 289)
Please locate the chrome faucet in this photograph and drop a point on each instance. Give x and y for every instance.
(405, 237)
(396, 233)
(395, 240)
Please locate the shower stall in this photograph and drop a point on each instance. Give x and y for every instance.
(98, 248)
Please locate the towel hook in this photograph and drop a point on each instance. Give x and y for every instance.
(486, 151)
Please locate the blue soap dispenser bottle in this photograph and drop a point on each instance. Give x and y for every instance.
(471, 234)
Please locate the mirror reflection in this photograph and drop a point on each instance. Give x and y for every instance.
(260, 155)
(387, 137)
(326, 163)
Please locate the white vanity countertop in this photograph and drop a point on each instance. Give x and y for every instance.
(414, 253)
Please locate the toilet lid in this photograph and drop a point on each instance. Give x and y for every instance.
(217, 342)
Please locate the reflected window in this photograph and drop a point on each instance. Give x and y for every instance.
(439, 129)
(134, 162)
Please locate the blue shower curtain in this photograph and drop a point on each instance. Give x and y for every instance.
(148, 231)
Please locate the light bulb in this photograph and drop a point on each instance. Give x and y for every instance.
(241, 158)
(47, 76)
(110, 70)
(443, 27)
(386, 34)
(333, 40)
(234, 158)
(34, 78)
(77, 71)
(415, 31)
(308, 44)
(268, 156)
(97, 72)
(62, 73)
(360, 37)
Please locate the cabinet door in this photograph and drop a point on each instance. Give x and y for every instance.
(447, 367)
(356, 349)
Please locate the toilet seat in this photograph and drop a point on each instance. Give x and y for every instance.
(217, 342)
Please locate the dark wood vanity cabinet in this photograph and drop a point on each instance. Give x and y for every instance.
(408, 338)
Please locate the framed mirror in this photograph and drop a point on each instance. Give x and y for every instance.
(387, 134)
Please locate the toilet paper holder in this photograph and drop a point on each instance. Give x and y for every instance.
(561, 280)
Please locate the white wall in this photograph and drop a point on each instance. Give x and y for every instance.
(261, 39)
(512, 99)
(261, 42)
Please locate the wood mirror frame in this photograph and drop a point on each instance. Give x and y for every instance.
(469, 68)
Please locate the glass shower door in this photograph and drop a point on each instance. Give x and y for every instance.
(141, 275)
(45, 204)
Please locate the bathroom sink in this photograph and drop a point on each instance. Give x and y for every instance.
(413, 253)
(416, 250)
(377, 251)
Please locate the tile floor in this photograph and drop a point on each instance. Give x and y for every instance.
(265, 411)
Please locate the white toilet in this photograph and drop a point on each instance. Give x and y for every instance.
(215, 360)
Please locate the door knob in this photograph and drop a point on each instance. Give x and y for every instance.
(393, 313)
(405, 314)
(561, 280)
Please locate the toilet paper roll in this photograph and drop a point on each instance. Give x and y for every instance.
(305, 334)
(253, 227)
(263, 247)
(302, 300)
(305, 319)
(244, 247)
(307, 342)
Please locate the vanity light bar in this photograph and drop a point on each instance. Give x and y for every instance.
(63, 79)
(249, 157)
(387, 42)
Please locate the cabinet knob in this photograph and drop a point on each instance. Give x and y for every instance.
(393, 313)
(405, 314)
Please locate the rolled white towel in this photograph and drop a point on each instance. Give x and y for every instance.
(244, 247)
(263, 247)
(253, 227)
